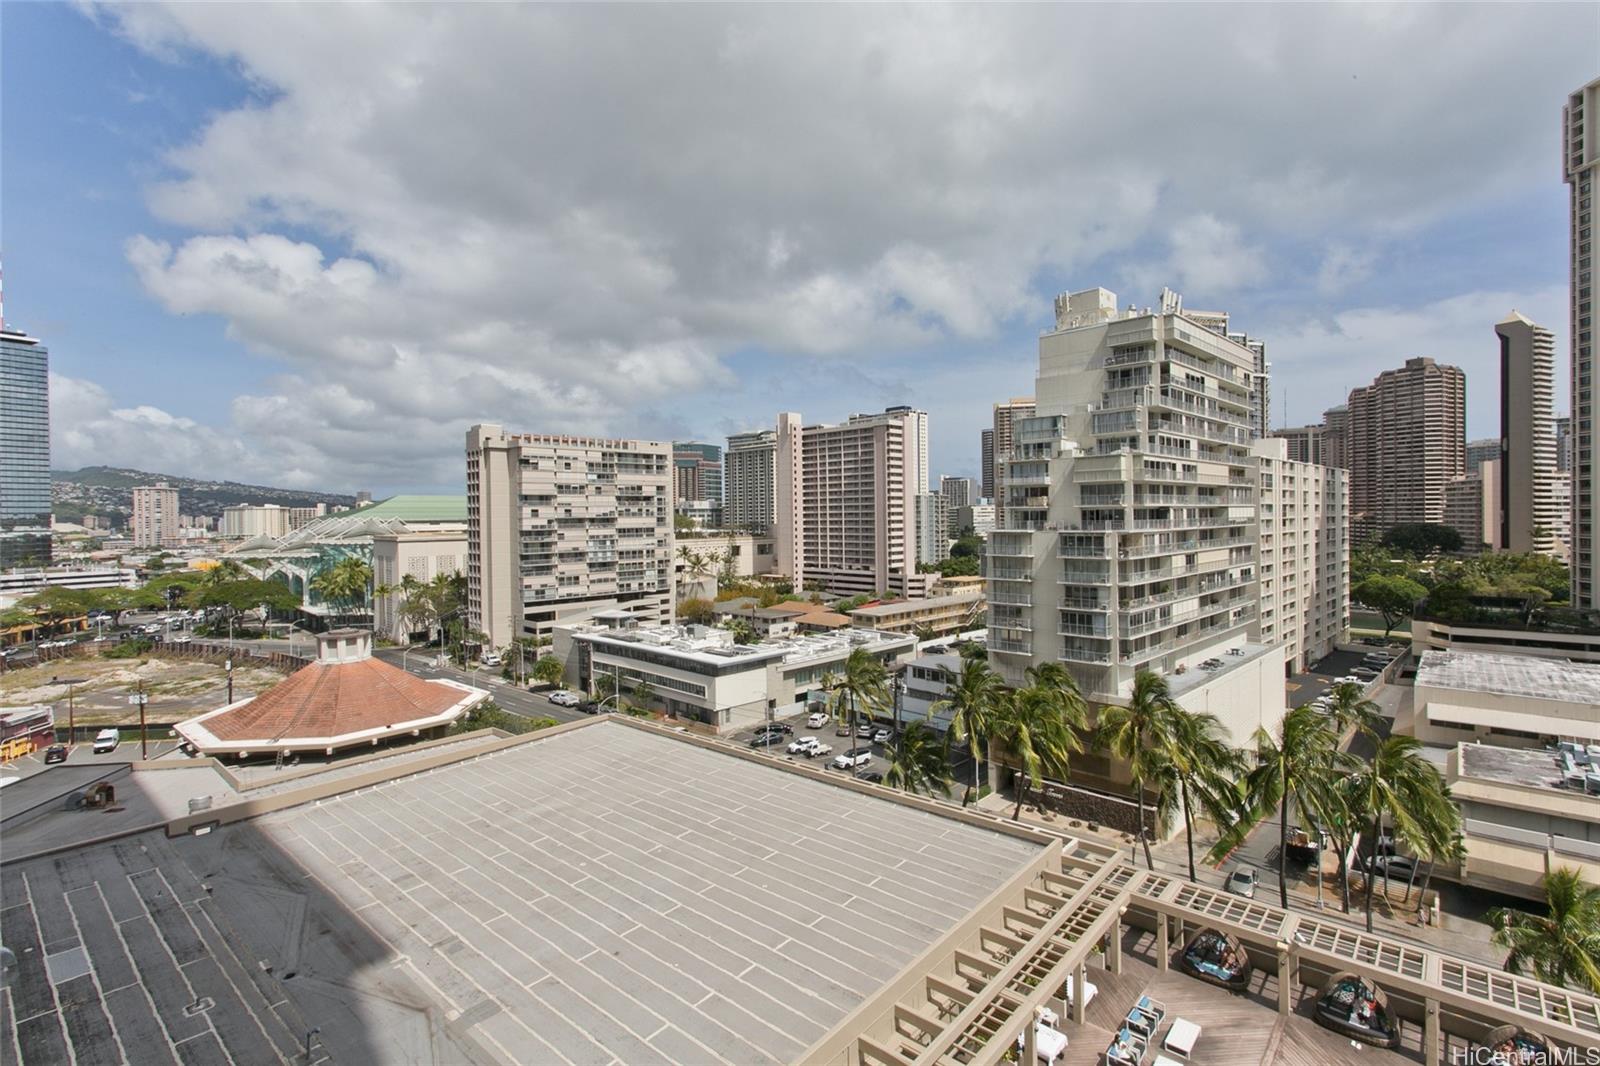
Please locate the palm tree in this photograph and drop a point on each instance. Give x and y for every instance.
(743, 632)
(1289, 768)
(1039, 726)
(1561, 946)
(1350, 708)
(918, 762)
(1202, 766)
(1138, 734)
(644, 692)
(864, 684)
(345, 583)
(1397, 783)
(1335, 810)
(973, 696)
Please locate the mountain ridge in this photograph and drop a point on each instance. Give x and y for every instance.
(108, 491)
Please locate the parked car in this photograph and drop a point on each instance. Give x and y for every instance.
(589, 706)
(843, 730)
(864, 730)
(767, 740)
(817, 720)
(875, 776)
(1242, 881)
(182, 638)
(106, 741)
(849, 760)
(802, 745)
(564, 698)
(1395, 867)
(490, 659)
(1349, 679)
(1366, 673)
(818, 750)
(882, 735)
(55, 753)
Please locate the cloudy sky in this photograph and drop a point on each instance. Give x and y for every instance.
(309, 246)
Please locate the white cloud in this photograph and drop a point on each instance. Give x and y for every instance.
(569, 217)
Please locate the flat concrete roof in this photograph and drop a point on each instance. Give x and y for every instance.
(1195, 677)
(606, 894)
(1527, 676)
(1528, 767)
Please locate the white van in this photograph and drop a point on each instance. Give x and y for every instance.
(106, 740)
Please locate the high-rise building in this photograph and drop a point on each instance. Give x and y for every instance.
(255, 520)
(1564, 445)
(560, 527)
(697, 480)
(1336, 437)
(1006, 416)
(1127, 538)
(1528, 517)
(987, 464)
(1303, 588)
(978, 517)
(155, 515)
(1305, 443)
(24, 450)
(750, 481)
(857, 510)
(1580, 163)
(1407, 441)
(933, 527)
(304, 516)
(1261, 372)
(1472, 507)
(958, 491)
(1481, 451)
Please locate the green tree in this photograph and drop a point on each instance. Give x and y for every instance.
(1202, 767)
(918, 762)
(974, 696)
(53, 605)
(1138, 733)
(233, 598)
(1561, 946)
(345, 584)
(1289, 769)
(1398, 785)
(1351, 708)
(864, 684)
(1392, 597)
(644, 693)
(1039, 726)
(1422, 538)
(682, 523)
(743, 632)
(696, 612)
(548, 670)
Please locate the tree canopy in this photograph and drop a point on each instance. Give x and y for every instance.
(1422, 538)
(1392, 597)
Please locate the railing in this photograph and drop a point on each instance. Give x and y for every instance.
(1071, 576)
(1006, 573)
(1084, 655)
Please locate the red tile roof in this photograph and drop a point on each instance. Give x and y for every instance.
(325, 700)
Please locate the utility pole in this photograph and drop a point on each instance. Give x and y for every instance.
(228, 665)
(140, 698)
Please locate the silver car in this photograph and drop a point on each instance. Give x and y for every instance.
(1242, 881)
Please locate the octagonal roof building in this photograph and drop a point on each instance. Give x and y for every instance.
(346, 698)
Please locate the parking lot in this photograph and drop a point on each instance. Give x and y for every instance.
(828, 734)
(1306, 687)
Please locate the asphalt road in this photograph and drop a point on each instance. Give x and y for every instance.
(506, 694)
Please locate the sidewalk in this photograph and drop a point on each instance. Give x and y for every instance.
(1456, 935)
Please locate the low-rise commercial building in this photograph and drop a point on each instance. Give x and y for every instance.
(1521, 818)
(938, 615)
(1508, 626)
(1508, 700)
(699, 673)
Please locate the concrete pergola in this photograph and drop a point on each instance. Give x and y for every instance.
(966, 1001)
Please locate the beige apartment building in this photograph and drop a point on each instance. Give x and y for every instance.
(155, 515)
(1580, 163)
(1303, 588)
(255, 520)
(1336, 437)
(942, 615)
(1003, 436)
(1472, 507)
(1127, 535)
(559, 527)
(1407, 442)
(1528, 520)
(1305, 443)
(750, 471)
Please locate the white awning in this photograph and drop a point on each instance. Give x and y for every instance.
(1498, 718)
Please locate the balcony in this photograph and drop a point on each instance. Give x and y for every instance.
(1009, 573)
(1078, 654)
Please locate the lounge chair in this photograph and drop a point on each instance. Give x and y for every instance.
(1154, 1007)
(1127, 1049)
(1141, 1024)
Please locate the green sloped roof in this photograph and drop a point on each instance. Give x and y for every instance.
(418, 509)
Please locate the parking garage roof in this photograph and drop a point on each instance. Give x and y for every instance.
(1526, 676)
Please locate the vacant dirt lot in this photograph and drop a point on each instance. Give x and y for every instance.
(177, 688)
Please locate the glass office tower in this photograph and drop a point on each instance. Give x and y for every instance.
(24, 450)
